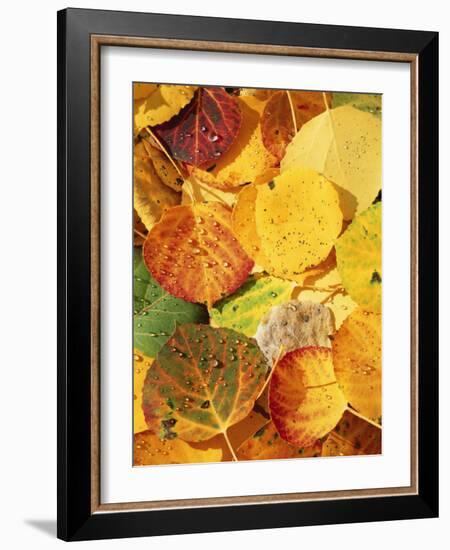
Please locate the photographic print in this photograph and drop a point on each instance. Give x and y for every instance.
(257, 274)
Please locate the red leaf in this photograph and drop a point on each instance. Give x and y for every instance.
(204, 129)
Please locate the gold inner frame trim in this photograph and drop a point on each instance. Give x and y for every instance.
(97, 41)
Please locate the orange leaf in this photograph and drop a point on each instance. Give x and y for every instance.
(304, 398)
(194, 255)
(267, 444)
(353, 436)
(277, 122)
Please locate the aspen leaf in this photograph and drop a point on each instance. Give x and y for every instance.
(358, 253)
(267, 444)
(165, 170)
(304, 398)
(293, 325)
(285, 108)
(247, 158)
(243, 310)
(196, 191)
(244, 224)
(353, 436)
(141, 365)
(156, 312)
(163, 102)
(193, 254)
(151, 196)
(370, 103)
(205, 129)
(150, 450)
(357, 361)
(343, 144)
(298, 220)
(203, 381)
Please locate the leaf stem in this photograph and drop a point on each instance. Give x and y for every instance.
(230, 446)
(291, 105)
(352, 411)
(140, 234)
(164, 150)
(324, 95)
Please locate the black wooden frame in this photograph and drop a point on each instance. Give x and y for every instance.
(75, 520)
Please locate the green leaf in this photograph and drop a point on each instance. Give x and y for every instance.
(369, 103)
(203, 381)
(156, 312)
(243, 310)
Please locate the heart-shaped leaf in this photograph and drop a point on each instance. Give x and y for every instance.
(194, 255)
(267, 444)
(304, 398)
(358, 254)
(243, 310)
(298, 219)
(343, 144)
(294, 325)
(156, 312)
(157, 103)
(247, 159)
(205, 129)
(284, 115)
(150, 450)
(357, 361)
(353, 436)
(203, 381)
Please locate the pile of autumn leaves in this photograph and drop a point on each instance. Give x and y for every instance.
(257, 291)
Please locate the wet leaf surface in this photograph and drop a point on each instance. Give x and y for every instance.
(193, 254)
(205, 129)
(203, 381)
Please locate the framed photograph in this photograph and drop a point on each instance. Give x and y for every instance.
(247, 252)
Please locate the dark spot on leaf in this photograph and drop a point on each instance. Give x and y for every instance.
(271, 185)
(376, 278)
(260, 432)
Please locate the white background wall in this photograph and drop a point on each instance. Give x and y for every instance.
(28, 271)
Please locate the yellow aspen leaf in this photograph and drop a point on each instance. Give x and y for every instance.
(244, 224)
(298, 219)
(343, 144)
(304, 398)
(193, 254)
(142, 90)
(150, 450)
(358, 253)
(151, 196)
(141, 366)
(165, 170)
(247, 158)
(266, 444)
(162, 103)
(353, 436)
(293, 325)
(357, 361)
(284, 115)
(195, 190)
